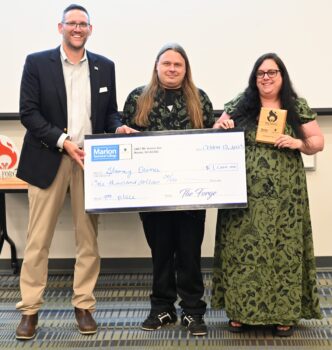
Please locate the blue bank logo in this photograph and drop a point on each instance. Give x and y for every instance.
(104, 153)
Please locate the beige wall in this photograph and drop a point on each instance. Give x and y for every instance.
(223, 39)
(121, 235)
(320, 193)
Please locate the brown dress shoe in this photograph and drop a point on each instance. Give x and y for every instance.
(85, 321)
(27, 327)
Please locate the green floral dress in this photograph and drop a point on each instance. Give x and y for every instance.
(264, 270)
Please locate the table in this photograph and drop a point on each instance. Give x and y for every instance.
(12, 185)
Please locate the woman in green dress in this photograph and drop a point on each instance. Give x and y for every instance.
(264, 270)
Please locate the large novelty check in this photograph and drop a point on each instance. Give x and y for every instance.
(170, 170)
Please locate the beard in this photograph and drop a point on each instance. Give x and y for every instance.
(75, 45)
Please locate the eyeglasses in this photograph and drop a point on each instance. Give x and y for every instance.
(72, 25)
(271, 73)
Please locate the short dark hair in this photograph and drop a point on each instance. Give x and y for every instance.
(74, 7)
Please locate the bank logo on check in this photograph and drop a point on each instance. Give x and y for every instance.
(111, 152)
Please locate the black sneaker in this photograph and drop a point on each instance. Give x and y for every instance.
(194, 323)
(155, 321)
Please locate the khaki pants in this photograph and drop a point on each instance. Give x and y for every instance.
(44, 209)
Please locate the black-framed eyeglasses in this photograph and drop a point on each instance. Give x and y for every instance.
(72, 25)
(271, 73)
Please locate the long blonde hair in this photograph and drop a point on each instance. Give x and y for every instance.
(191, 94)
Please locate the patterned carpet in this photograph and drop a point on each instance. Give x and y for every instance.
(123, 303)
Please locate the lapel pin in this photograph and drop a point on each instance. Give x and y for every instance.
(95, 67)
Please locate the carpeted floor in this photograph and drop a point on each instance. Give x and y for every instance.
(123, 303)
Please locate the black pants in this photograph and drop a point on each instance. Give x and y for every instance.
(175, 239)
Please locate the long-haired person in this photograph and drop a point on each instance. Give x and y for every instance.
(264, 271)
(171, 101)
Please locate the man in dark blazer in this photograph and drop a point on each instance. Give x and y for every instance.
(65, 93)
